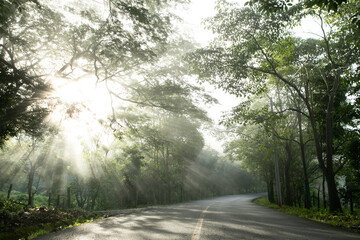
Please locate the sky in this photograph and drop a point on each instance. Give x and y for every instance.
(193, 16)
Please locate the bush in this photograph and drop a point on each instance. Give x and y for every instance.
(18, 221)
(22, 197)
(3, 196)
(11, 205)
(40, 200)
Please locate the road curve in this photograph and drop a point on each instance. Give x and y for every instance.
(230, 217)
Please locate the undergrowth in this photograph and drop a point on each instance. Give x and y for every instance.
(18, 221)
(344, 220)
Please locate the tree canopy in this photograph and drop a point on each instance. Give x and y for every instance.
(296, 126)
(148, 149)
(254, 51)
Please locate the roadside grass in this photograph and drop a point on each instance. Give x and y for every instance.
(20, 222)
(48, 228)
(344, 220)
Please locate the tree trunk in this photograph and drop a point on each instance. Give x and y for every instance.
(314, 198)
(319, 197)
(154, 198)
(351, 201)
(303, 160)
(181, 192)
(287, 165)
(58, 201)
(334, 203)
(68, 198)
(136, 197)
(270, 190)
(9, 191)
(334, 200)
(168, 185)
(327, 169)
(323, 192)
(49, 200)
(30, 184)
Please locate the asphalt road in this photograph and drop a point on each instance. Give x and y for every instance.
(230, 217)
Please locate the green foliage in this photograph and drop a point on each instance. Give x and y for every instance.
(10, 205)
(19, 221)
(22, 197)
(255, 54)
(284, 5)
(20, 107)
(40, 200)
(134, 34)
(3, 195)
(330, 5)
(345, 220)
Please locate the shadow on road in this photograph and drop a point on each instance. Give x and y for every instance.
(230, 217)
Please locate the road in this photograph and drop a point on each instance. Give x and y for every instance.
(230, 217)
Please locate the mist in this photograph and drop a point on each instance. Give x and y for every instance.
(116, 119)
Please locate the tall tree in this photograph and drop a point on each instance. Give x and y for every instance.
(253, 46)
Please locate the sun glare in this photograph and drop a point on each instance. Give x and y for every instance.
(82, 105)
(84, 93)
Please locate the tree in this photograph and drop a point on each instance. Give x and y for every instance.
(131, 36)
(254, 46)
(254, 149)
(132, 171)
(23, 104)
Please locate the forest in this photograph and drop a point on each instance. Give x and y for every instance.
(102, 105)
(97, 111)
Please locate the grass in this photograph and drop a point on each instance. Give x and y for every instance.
(48, 228)
(344, 220)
